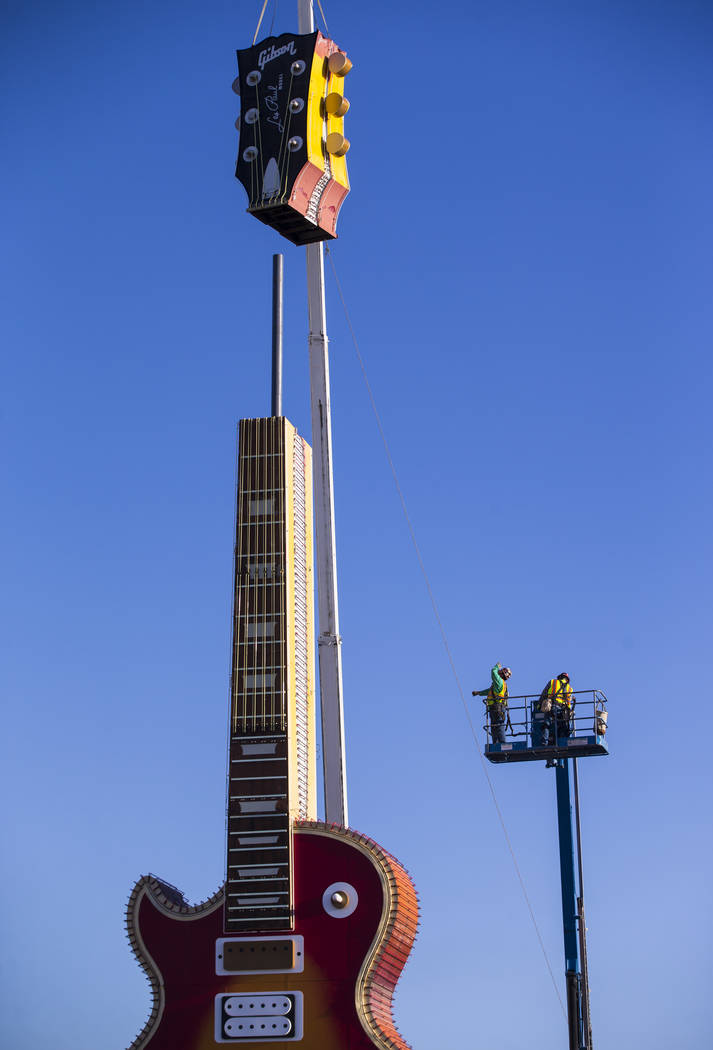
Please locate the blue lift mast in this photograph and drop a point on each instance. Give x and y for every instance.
(575, 950)
(586, 737)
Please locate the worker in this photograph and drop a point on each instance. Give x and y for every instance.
(496, 701)
(556, 704)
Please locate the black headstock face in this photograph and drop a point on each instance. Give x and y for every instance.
(289, 158)
(274, 87)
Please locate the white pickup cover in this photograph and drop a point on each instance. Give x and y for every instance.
(242, 1028)
(253, 1005)
(259, 1018)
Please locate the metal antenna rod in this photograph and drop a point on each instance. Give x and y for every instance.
(329, 641)
(277, 261)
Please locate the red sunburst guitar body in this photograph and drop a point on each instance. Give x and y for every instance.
(346, 969)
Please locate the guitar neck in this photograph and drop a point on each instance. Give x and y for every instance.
(271, 771)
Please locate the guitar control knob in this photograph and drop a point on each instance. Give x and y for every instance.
(339, 900)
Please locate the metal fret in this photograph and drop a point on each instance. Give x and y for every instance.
(250, 798)
(278, 912)
(281, 776)
(258, 758)
(257, 849)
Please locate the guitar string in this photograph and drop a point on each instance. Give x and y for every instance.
(279, 656)
(267, 700)
(267, 571)
(241, 599)
(260, 566)
(275, 595)
(235, 640)
(258, 142)
(260, 563)
(281, 515)
(291, 751)
(444, 637)
(243, 543)
(250, 646)
(240, 596)
(282, 158)
(242, 540)
(244, 573)
(266, 648)
(282, 511)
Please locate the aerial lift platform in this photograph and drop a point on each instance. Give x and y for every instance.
(585, 737)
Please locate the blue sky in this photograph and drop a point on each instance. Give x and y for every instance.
(526, 259)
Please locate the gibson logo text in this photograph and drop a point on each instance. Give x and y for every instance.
(275, 52)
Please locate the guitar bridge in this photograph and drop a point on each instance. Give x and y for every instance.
(268, 1017)
(235, 955)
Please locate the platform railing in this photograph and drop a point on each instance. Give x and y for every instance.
(588, 716)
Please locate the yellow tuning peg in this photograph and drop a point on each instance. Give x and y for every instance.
(337, 145)
(335, 104)
(339, 64)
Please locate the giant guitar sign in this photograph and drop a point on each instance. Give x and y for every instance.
(306, 940)
(291, 155)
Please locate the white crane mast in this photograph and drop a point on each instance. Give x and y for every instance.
(329, 641)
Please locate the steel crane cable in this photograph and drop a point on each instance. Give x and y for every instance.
(442, 630)
(274, 15)
(259, 21)
(326, 27)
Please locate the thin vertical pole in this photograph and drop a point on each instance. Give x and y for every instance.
(277, 261)
(329, 640)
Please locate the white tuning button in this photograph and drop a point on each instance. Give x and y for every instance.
(340, 900)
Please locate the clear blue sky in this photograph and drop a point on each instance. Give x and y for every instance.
(526, 256)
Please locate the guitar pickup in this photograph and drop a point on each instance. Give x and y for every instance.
(268, 1016)
(235, 955)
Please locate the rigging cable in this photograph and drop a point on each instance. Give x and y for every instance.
(326, 27)
(259, 21)
(442, 630)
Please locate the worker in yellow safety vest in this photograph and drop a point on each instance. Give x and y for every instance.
(556, 703)
(496, 702)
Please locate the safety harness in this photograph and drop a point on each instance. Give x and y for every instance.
(560, 692)
(495, 698)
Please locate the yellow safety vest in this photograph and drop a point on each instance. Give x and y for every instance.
(561, 692)
(497, 697)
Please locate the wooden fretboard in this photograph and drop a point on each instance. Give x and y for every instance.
(271, 753)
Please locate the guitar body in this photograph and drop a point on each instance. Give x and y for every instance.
(352, 958)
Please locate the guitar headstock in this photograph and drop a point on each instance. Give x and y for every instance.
(291, 154)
